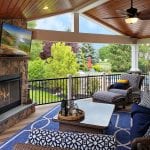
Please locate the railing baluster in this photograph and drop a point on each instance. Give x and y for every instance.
(54, 90)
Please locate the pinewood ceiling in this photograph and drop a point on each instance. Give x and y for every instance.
(141, 29)
(33, 9)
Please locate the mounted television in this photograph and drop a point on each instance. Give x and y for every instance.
(15, 40)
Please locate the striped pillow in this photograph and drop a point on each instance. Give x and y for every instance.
(145, 101)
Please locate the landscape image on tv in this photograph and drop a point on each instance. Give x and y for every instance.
(15, 40)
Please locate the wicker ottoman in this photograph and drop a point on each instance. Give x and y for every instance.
(109, 97)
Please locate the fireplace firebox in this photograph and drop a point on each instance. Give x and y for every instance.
(10, 92)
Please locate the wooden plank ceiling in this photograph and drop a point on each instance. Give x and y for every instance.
(113, 8)
(33, 9)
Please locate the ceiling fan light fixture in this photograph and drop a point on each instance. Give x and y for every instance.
(131, 20)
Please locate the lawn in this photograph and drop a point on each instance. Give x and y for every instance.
(43, 97)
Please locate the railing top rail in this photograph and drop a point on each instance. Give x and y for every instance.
(83, 76)
(47, 79)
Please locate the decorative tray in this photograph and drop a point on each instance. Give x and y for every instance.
(78, 116)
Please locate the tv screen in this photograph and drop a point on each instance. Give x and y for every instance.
(15, 40)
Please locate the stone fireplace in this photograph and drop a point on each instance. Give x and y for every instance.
(14, 90)
(10, 92)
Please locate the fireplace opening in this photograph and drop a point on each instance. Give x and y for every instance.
(10, 92)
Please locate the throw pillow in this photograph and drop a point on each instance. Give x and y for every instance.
(145, 100)
(147, 134)
(123, 81)
(71, 140)
(122, 86)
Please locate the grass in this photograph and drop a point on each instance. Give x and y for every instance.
(43, 97)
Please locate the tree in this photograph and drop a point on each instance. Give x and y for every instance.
(31, 24)
(36, 69)
(62, 61)
(36, 48)
(83, 54)
(118, 55)
(46, 53)
(144, 58)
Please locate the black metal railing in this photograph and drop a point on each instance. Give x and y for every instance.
(55, 90)
(48, 90)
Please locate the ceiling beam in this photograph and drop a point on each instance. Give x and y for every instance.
(144, 41)
(80, 37)
(89, 5)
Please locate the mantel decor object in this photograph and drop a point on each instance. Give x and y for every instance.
(77, 114)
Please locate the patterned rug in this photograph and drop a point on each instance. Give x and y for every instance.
(119, 126)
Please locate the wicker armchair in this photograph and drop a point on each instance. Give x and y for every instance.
(132, 93)
(141, 143)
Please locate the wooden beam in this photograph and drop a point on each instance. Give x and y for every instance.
(80, 37)
(89, 5)
(144, 41)
(76, 22)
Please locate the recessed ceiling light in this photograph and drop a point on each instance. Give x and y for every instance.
(45, 7)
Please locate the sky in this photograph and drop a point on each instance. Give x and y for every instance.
(64, 22)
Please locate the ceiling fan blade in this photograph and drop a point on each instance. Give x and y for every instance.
(144, 15)
(122, 12)
(114, 17)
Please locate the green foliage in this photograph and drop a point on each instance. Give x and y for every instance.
(84, 52)
(105, 66)
(118, 55)
(36, 48)
(144, 58)
(31, 24)
(62, 62)
(96, 67)
(36, 69)
(93, 85)
(41, 96)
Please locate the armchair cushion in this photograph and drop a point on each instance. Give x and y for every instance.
(119, 91)
(141, 120)
(71, 140)
(123, 86)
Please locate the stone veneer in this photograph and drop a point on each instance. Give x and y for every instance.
(14, 115)
(16, 65)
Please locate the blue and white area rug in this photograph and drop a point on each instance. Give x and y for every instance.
(119, 126)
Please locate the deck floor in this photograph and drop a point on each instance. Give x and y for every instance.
(40, 110)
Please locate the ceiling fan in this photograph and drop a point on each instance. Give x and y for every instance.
(132, 15)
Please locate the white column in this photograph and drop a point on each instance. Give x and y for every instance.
(134, 58)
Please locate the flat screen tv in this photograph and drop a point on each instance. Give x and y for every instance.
(15, 40)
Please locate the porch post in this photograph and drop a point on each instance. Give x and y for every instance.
(134, 58)
(76, 22)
